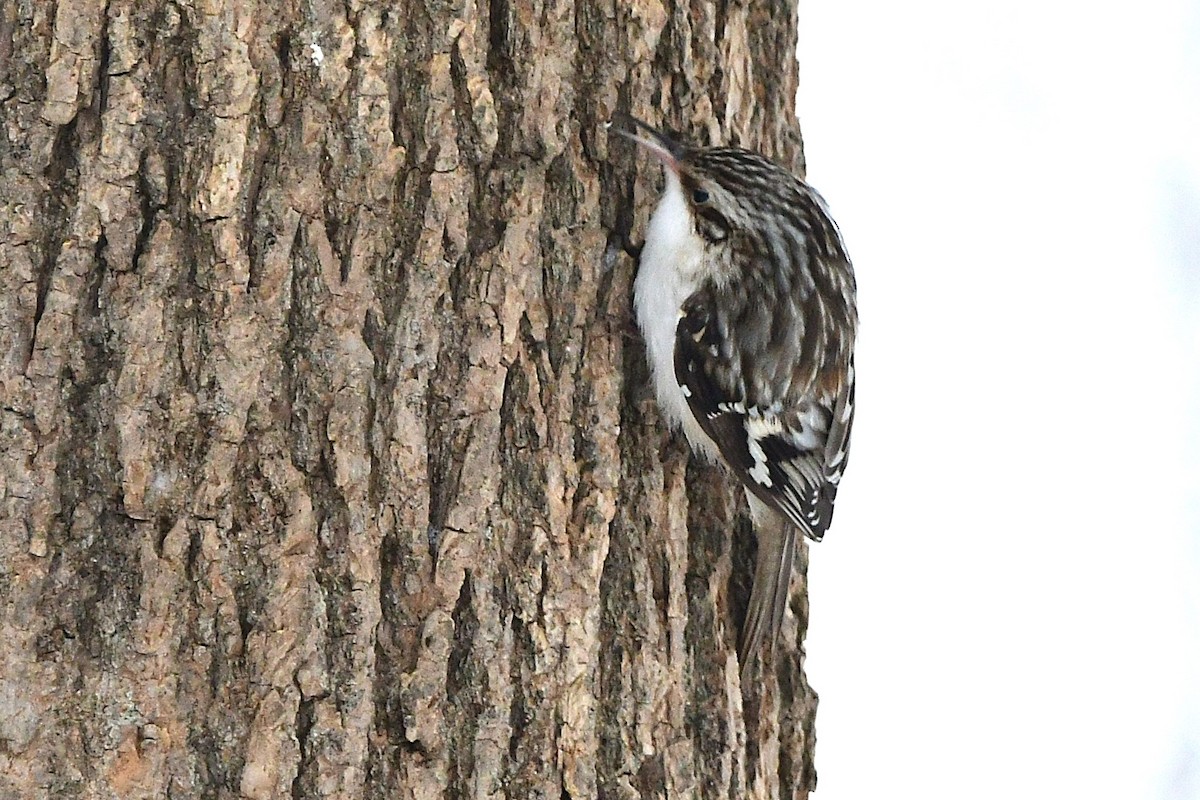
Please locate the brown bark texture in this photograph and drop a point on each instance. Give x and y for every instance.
(328, 466)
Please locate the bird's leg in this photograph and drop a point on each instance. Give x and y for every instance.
(631, 249)
(623, 320)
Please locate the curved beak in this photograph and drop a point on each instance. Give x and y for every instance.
(663, 147)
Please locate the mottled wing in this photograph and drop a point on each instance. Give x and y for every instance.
(791, 452)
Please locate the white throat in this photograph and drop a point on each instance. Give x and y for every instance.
(669, 272)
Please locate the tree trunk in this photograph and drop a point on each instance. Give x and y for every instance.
(329, 467)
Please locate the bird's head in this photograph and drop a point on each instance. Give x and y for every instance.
(707, 190)
(725, 190)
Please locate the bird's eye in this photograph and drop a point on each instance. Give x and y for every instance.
(700, 196)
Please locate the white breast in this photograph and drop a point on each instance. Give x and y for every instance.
(669, 272)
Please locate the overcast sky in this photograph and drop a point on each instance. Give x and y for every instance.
(1007, 604)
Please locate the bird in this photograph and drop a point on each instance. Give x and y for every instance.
(746, 300)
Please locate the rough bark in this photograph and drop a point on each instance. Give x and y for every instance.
(327, 466)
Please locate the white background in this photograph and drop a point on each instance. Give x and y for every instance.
(1008, 602)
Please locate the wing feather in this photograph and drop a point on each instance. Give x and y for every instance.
(791, 452)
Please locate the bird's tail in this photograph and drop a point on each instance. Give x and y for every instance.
(772, 581)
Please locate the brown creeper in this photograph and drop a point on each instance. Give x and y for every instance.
(745, 297)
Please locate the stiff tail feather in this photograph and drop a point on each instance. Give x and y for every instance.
(772, 582)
